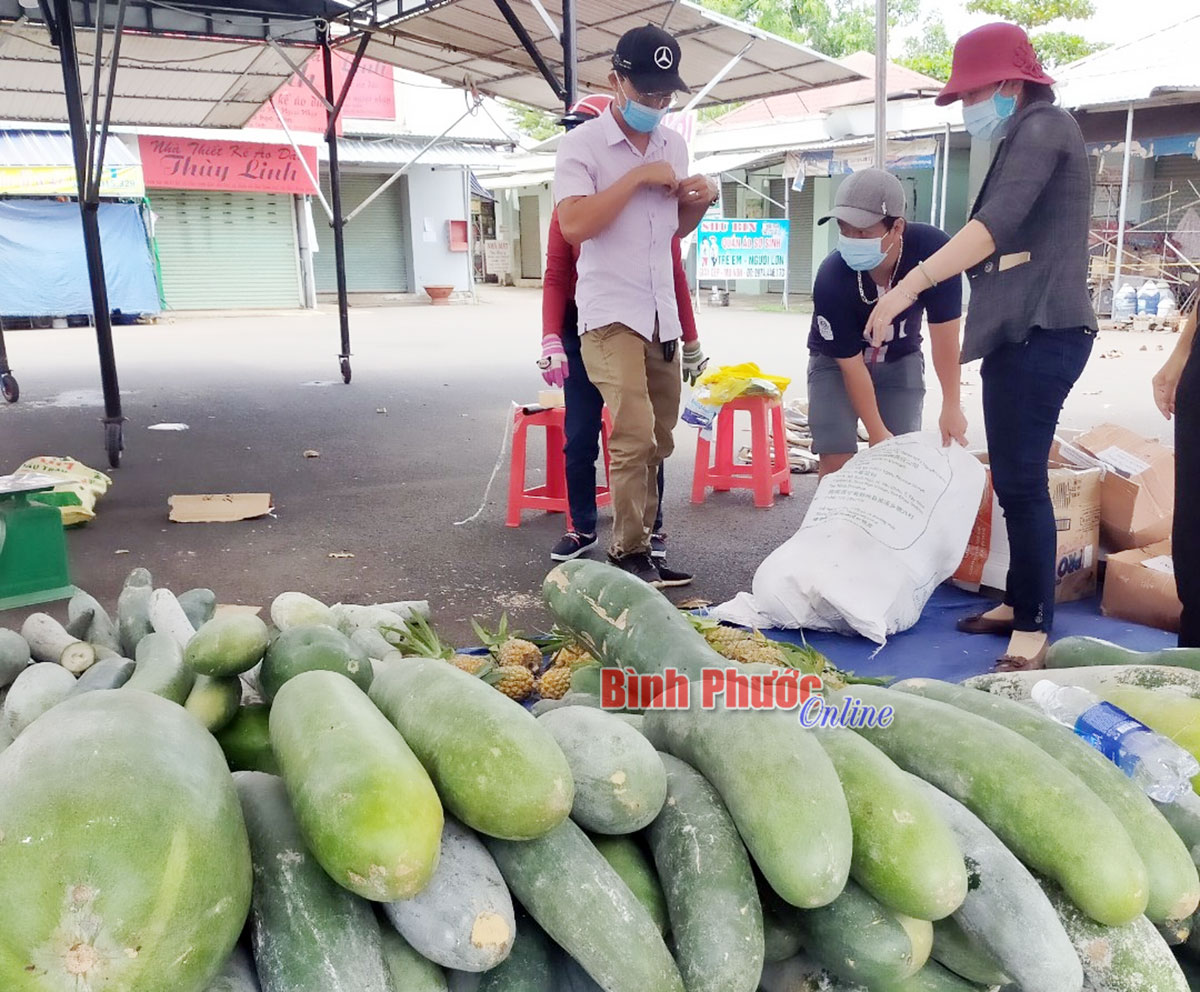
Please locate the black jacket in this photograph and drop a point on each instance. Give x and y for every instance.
(1036, 202)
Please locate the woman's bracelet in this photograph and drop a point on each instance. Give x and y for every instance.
(932, 282)
(912, 297)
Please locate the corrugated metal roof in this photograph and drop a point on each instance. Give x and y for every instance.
(394, 152)
(469, 40)
(1158, 66)
(31, 149)
(162, 81)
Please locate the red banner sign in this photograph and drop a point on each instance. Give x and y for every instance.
(372, 97)
(237, 166)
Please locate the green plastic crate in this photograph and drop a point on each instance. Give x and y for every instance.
(33, 553)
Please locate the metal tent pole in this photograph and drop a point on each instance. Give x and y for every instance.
(89, 209)
(1122, 210)
(945, 177)
(570, 55)
(335, 187)
(881, 87)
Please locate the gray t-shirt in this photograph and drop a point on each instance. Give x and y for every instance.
(1036, 202)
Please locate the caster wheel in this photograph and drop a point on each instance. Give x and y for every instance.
(9, 388)
(114, 443)
(345, 366)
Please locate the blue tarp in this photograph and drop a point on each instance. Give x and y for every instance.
(43, 270)
(935, 649)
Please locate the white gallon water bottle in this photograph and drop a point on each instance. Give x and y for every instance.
(1159, 766)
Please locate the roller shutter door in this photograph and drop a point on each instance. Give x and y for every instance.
(531, 238)
(800, 244)
(377, 240)
(226, 250)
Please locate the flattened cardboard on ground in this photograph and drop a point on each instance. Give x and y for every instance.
(1139, 586)
(1137, 497)
(219, 508)
(1075, 493)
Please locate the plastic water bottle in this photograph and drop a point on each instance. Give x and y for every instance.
(1159, 766)
(1147, 298)
(1125, 302)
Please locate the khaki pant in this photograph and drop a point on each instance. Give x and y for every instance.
(642, 392)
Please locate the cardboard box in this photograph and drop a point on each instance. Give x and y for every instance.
(1139, 586)
(1075, 493)
(1137, 497)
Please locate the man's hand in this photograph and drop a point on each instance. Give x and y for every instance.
(694, 362)
(953, 425)
(554, 362)
(1166, 383)
(697, 189)
(884, 435)
(658, 174)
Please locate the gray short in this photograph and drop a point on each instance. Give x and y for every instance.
(899, 391)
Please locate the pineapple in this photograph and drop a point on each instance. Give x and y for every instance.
(508, 647)
(515, 681)
(472, 664)
(555, 683)
(517, 651)
(572, 656)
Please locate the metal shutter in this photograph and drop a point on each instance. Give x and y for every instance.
(376, 240)
(531, 238)
(777, 191)
(729, 198)
(800, 245)
(226, 250)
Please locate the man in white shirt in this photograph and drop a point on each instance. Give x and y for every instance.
(621, 199)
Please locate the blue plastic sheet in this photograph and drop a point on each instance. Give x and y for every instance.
(935, 649)
(43, 269)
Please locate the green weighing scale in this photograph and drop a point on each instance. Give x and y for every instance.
(33, 546)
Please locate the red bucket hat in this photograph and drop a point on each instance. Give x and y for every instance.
(989, 55)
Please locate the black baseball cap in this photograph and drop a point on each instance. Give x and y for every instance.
(649, 58)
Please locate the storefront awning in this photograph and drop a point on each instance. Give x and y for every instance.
(711, 165)
(517, 180)
(477, 190)
(391, 153)
(843, 157)
(40, 163)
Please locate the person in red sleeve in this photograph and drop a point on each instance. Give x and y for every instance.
(562, 367)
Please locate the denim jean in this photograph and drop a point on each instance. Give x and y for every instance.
(1186, 538)
(582, 448)
(1024, 388)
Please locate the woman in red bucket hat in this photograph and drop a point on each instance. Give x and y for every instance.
(1030, 316)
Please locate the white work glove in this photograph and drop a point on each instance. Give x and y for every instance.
(694, 362)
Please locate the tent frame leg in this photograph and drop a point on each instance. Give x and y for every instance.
(338, 222)
(86, 136)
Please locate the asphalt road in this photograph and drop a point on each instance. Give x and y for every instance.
(406, 450)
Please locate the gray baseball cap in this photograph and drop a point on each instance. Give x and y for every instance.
(864, 198)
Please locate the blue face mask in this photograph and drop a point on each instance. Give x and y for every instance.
(640, 117)
(861, 254)
(984, 118)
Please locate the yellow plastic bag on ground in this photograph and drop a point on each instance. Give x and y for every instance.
(728, 382)
(78, 481)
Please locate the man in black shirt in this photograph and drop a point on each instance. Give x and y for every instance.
(884, 387)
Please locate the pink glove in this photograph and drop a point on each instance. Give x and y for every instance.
(554, 361)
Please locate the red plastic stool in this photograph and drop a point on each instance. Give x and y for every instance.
(769, 461)
(551, 497)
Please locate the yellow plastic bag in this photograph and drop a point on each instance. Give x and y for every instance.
(85, 484)
(728, 382)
